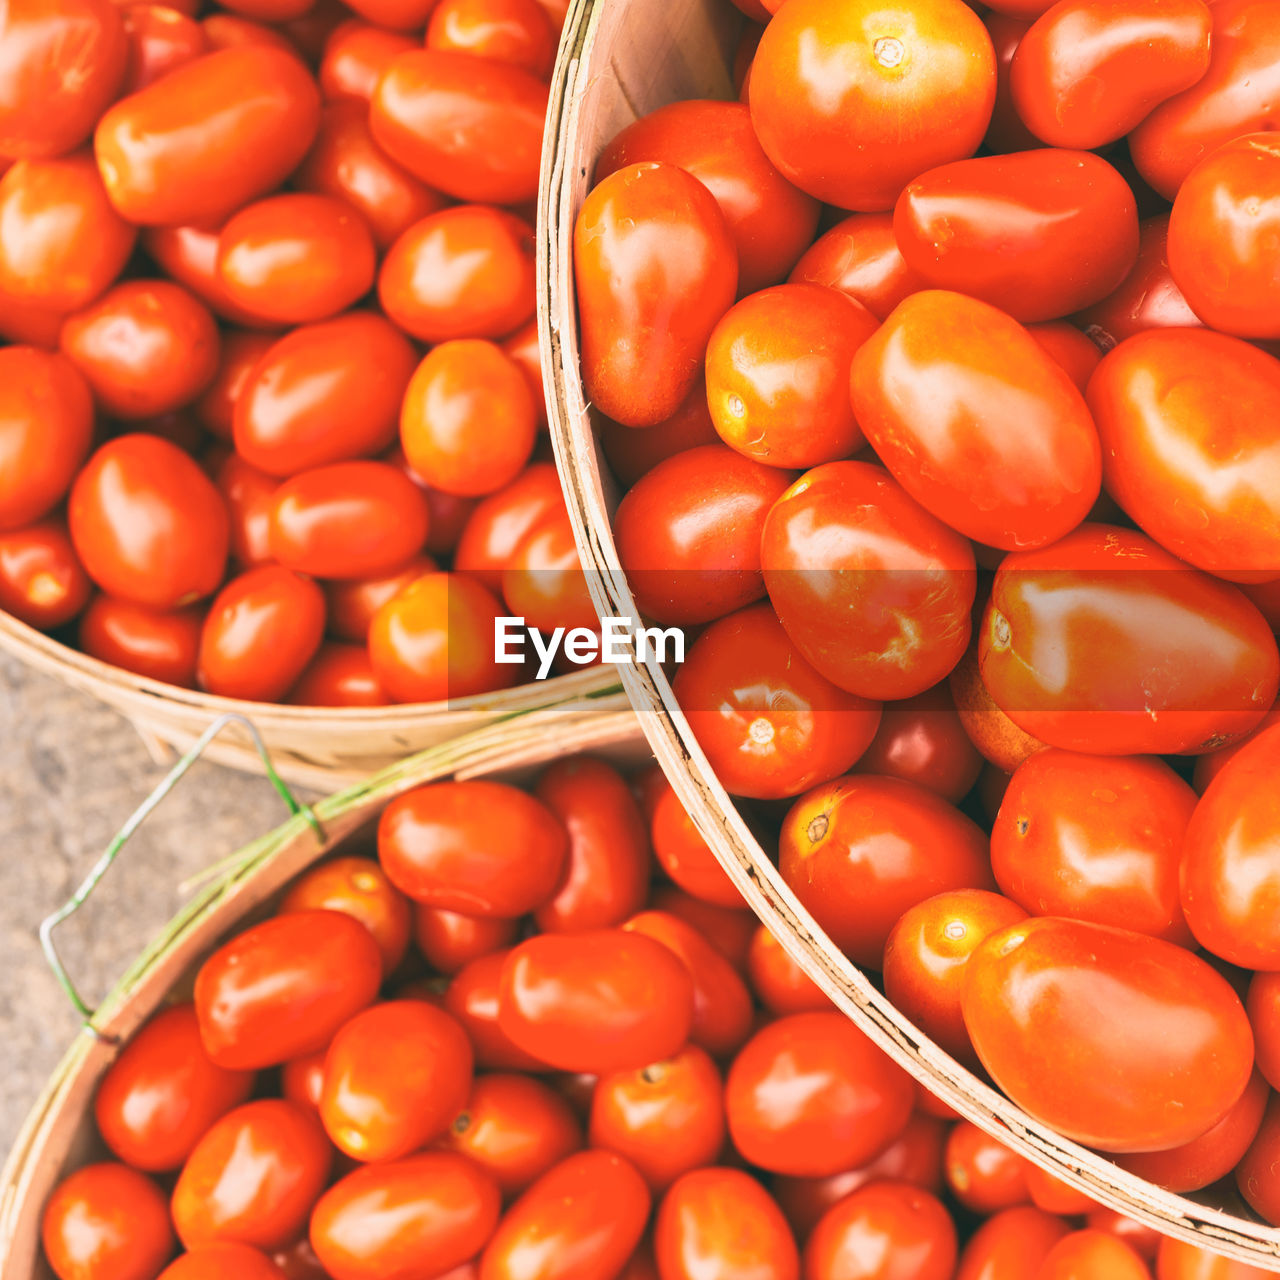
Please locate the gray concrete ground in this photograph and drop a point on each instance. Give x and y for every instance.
(71, 771)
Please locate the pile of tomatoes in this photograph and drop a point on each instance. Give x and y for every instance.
(941, 369)
(271, 419)
(514, 1048)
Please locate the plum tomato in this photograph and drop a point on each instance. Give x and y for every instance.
(770, 725)
(340, 675)
(1039, 234)
(853, 1102)
(499, 522)
(283, 987)
(1095, 838)
(897, 89)
(656, 268)
(632, 454)
(1143, 1239)
(1069, 347)
(688, 534)
(543, 582)
(685, 856)
(779, 983)
(926, 954)
(148, 524)
(1006, 133)
(778, 375)
(607, 1000)
(473, 998)
(1088, 72)
(1064, 1013)
(859, 851)
(226, 1258)
(1179, 1260)
(1011, 1245)
(771, 221)
(208, 137)
(249, 495)
(42, 581)
(190, 255)
(1182, 416)
(450, 940)
(1092, 1253)
(982, 1173)
(885, 1231)
(239, 353)
(1263, 1006)
(160, 40)
(875, 592)
(1001, 742)
(1191, 664)
(159, 644)
(1258, 1173)
(976, 422)
(353, 603)
(517, 32)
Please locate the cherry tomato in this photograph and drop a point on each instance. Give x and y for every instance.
(925, 958)
(632, 454)
(1236, 95)
(218, 1261)
(449, 940)
(262, 630)
(922, 740)
(607, 1000)
(148, 524)
(470, 126)
(419, 1216)
(106, 1222)
(1107, 996)
(1011, 1245)
(434, 640)
(581, 1220)
(656, 267)
(898, 89)
(160, 40)
(473, 998)
(355, 56)
(500, 521)
(61, 64)
(1068, 347)
(1178, 1260)
(779, 983)
(771, 726)
(145, 347)
(156, 643)
(353, 603)
(1190, 664)
(885, 1231)
(688, 534)
(809, 1095)
(359, 888)
(283, 987)
(860, 257)
(859, 851)
(686, 857)
(516, 32)
(61, 242)
(771, 221)
(1095, 839)
(976, 422)
(721, 1224)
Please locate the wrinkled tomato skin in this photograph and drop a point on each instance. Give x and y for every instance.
(976, 422)
(1063, 1013)
(160, 644)
(847, 542)
(1099, 591)
(1182, 416)
(1039, 234)
(1087, 73)
(1010, 1245)
(896, 91)
(1001, 742)
(771, 221)
(861, 850)
(175, 153)
(1238, 94)
(656, 267)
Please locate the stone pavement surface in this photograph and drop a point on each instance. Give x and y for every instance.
(71, 771)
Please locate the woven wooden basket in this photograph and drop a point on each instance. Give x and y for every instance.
(322, 748)
(59, 1134)
(620, 59)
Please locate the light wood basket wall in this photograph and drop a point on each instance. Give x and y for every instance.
(620, 59)
(59, 1133)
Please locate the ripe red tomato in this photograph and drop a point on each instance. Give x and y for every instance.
(400, 15)
(156, 643)
(190, 256)
(1087, 73)
(1006, 133)
(217, 1261)
(885, 1231)
(656, 267)
(516, 32)
(859, 851)
(1178, 1260)
(860, 257)
(771, 221)
(685, 856)
(922, 740)
(771, 726)
(283, 987)
(688, 534)
(778, 375)
(1258, 1173)
(148, 524)
(106, 1222)
(479, 847)
(1191, 664)
(358, 887)
(1095, 838)
(721, 1224)
(499, 522)
(607, 1000)
(472, 997)
(926, 954)
(470, 126)
(1011, 1245)
(581, 1220)
(340, 675)
(1092, 1253)
(61, 64)
(1002, 743)
(976, 422)
(1055, 1196)
(779, 983)
(209, 137)
(1108, 995)
(982, 1173)
(241, 349)
(160, 1095)
(353, 603)
(632, 454)
(160, 40)
(224, 30)
(449, 940)
(1038, 234)
(1069, 347)
(422, 1215)
(249, 495)
(42, 582)
(875, 592)
(853, 1104)
(1263, 1005)
(1142, 1239)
